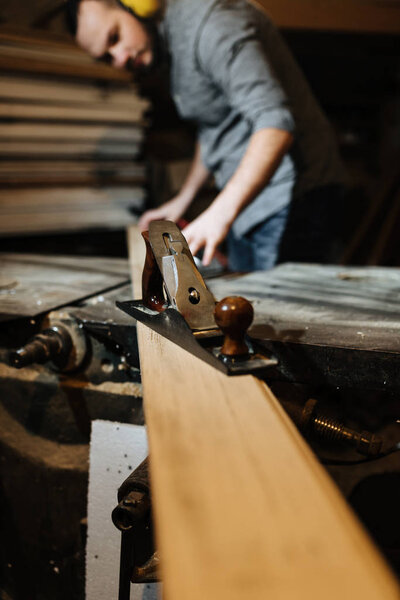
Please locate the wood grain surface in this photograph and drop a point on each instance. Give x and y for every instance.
(64, 113)
(32, 52)
(89, 150)
(54, 209)
(19, 87)
(242, 507)
(70, 132)
(336, 15)
(70, 173)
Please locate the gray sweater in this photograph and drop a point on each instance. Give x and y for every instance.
(233, 75)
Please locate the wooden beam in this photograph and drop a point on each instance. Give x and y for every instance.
(64, 113)
(71, 219)
(53, 56)
(70, 132)
(57, 198)
(68, 173)
(25, 64)
(358, 16)
(61, 149)
(29, 211)
(21, 34)
(242, 507)
(43, 90)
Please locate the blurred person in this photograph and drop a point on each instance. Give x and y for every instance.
(261, 133)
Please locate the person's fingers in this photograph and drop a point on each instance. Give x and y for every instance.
(195, 244)
(186, 232)
(209, 252)
(146, 222)
(142, 223)
(148, 217)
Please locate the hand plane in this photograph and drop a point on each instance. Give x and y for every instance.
(177, 304)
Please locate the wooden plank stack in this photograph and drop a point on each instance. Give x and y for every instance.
(71, 136)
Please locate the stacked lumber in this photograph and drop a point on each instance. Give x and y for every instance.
(48, 54)
(71, 137)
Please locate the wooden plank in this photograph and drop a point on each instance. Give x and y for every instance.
(28, 148)
(18, 200)
(71, 167)
(323, 305)
(21, 88)
(242, 507)
(25, 173)
(100, 218)
(54, 280)
(22, 35)
(95, 71)
(107, 265)
(328, 325)
(44, 131)
(67, 209)
(31, 54)
(374, 16)
(95, 113)
(51, 54)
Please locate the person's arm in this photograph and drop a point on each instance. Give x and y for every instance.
(232, 56)
(176, 207)
(260, 161)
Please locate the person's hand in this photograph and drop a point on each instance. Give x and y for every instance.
(207, 231)
(170, 211)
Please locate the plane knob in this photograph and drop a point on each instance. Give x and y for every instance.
(234, 315)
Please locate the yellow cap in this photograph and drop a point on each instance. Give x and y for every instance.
(142, 8)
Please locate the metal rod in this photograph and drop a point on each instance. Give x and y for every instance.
(125, 566)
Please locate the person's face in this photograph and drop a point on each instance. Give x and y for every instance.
(106, 31)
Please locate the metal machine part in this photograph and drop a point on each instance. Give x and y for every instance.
(184, 286)
(134, 499)
(315, 423)
(64, 343)
(149, 572)
(139, 562)
(133, 508)
(94, 338)
(173, 326)
(190, 317)
(53, 344)
(60, 311)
